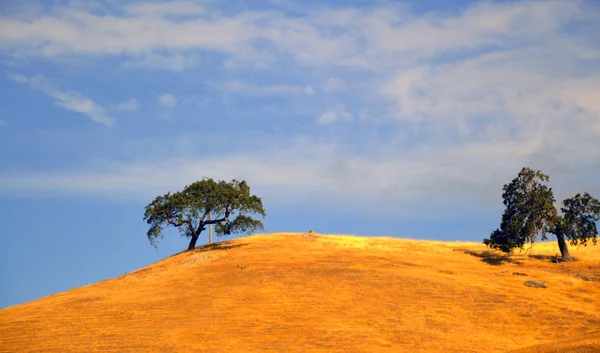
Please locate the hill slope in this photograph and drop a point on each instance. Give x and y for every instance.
(293, 292)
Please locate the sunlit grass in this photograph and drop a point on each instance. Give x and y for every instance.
(324, 292)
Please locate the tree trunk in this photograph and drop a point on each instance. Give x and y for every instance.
(210, 228)
(193, 242)
(564, 250)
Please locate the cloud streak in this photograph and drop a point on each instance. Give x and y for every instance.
(334, 115)
(130, 104)
(242, 88)
(168, 62)
(168, 100)
(68, 100)
(397, 106)
(367, 38)
(185, 8)
(334, 84)
(306, 171)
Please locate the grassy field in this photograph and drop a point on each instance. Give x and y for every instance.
(323, 293)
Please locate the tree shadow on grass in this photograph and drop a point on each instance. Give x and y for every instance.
(491, 257)
(224, 245)
(554, 259)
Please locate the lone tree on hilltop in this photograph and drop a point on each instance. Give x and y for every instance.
(229, 203)
(530, 212)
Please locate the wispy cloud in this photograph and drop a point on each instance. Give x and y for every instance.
(334, 115)
(168, 100)
(239, 87)
(334, 84)
(372, 38)
(130, 104)
(403, 181)
(169, 62)
(478, 99)
(462, 98)
(145, 31)
(72, 101)
(185, 8)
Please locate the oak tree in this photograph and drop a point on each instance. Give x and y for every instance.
(578, 222)
(230, 204)
(530, 213)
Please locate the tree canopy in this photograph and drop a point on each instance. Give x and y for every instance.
(530, 213)
(230, 203)
(579, 216)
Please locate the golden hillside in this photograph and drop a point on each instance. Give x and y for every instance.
(295, 292)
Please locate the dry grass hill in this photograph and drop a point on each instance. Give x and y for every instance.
(317, 293)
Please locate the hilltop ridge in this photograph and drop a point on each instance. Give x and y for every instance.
(311, 292)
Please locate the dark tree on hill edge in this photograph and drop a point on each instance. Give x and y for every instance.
(530, 212)
(188, 210)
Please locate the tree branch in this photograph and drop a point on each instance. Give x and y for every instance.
(204, 215)
(176, 224)
(224, 219)
(214, 221)
(185, 222)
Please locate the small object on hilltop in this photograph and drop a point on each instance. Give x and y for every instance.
(519, 274)
(241, 266)
(309, 234)
(535, 284)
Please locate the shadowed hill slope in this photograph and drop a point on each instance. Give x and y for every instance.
(295, 292)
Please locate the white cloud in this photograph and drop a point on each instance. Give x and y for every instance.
(168, 100)
(495, 95)
(147, 31)
(475, 94)
(130, 104)
(184, 8)
(374, 38)
(72, 101)
(334, 84)
(405, 39)
(172, 62)
(334, 115)
(402, 181)
(239, 87)
(70, 31)
(583, 92)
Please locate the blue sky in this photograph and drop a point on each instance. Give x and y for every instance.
(358, 117)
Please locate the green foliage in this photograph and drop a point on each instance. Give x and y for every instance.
(580, 214)
(530, 212)
(188, 210)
